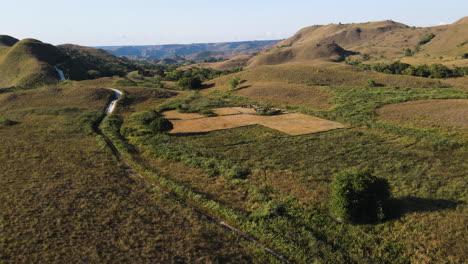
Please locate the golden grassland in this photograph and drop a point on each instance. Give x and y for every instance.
(445, 115)
(427, 175)
(269, 184)
(66, 199)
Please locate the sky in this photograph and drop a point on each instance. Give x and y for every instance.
(146, 22)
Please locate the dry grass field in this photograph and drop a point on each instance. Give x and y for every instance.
(232, 117)
(441, 114)
(65, 199)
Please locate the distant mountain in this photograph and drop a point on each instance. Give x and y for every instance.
(30, 62)
(197, 52)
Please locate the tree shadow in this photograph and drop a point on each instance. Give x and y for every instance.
(401, 206)
(240, 88)
(206, 86)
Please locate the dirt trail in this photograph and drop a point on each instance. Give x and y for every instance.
(110, 108)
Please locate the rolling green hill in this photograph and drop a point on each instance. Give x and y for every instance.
(84, 63)
(28, 62)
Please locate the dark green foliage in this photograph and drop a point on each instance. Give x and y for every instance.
(371, 83)
(203, 74)
(426, 39)
(190, 83)
(465, 56)
(407, 52)
(83, 62)
(267, 110)
(359, 196)
(397, 67)
(366, 57)
(144, 118)
(160, 125)
(270, 209)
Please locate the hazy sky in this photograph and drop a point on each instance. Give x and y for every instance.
(146, 22)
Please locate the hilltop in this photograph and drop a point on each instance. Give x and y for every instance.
(30, 62)
(382, 40)
(7, 41)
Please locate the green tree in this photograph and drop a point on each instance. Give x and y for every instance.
(371, 83)
(407, 52)
(359, 196)
(234, 82)
(193, 83)
(160, 125)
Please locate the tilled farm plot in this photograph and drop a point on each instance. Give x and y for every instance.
(232, 117)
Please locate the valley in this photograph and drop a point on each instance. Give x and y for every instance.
(111, 159)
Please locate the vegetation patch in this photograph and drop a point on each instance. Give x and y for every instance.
(444, 115)
(359, 196)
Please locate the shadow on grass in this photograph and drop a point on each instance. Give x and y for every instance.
(405, 205)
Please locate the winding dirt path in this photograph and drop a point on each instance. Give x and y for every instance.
(109, 110)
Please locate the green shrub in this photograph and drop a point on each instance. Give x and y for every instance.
(145, 118)
(407, 52)
(426, 39)
(192, 83)
(371, 83)
(234, 82)
(359, 196)
(312, 81)
(160, 125)
(5, 122)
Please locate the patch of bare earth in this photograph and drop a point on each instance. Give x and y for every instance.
(232, 117)
(449, 113)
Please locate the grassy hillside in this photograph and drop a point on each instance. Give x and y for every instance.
(382, 40)
(28, 62)
(80, 205)
(89, 63)
(7, 41)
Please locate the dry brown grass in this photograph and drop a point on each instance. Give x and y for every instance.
(290, 123)
(288, 84)
(382, 38)
(442, 114)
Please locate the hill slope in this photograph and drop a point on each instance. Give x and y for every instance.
(380, 40)
(7, 41)
(87, 63)
(28, 62)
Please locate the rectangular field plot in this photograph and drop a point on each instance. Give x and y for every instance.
(290, 123)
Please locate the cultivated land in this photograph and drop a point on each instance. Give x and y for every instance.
(65, 197)
(232, 117)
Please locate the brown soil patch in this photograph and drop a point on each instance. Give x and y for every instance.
(450, 113)
(290, 123)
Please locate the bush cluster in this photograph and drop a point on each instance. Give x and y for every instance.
(359, 196)
(397, 67)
